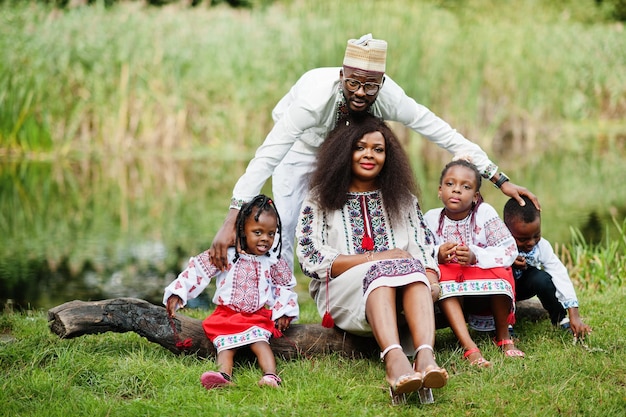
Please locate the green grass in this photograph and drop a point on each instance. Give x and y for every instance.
(125, 375)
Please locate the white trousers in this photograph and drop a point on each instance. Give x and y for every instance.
(289, 187)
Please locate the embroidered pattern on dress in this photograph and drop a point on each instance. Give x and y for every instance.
(245, 296)
(374, 209)
(457, 231)
(392, 268)
(471, 287)
(207, 267)
(280, 273)
(240, 339)
(429, 236)
(496, 232)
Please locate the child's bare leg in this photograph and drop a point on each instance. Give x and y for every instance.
(501, 307)
(225, 360)
(265, 356)
(453, 310)
(212, 379)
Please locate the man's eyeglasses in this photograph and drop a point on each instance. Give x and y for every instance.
(353, 85)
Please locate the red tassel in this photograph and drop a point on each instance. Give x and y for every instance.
(327, 321)
(511, 318)
(185, 344)
(367, 243)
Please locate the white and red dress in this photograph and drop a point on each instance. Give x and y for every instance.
(253, 293)
(495, 250)
(324, 235)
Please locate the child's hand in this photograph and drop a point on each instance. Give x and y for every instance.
(464, 255)
(283, 323)
(447, 253)
(520, 263)
(579, 329)
(173, 304)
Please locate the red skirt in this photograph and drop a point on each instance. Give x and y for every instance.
(462, 281)
(229, 329)
(457, 280)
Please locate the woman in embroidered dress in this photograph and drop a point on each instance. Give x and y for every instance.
(475, 253)
(255, 297)
(362, 239)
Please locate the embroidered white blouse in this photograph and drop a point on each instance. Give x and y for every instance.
(490, 239)
(322, 236)
(251, 283)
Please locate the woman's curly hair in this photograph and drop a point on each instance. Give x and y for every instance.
(331, 179)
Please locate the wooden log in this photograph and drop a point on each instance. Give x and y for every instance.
(121, 315)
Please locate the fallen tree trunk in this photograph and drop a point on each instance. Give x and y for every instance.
(183, 334)
(78, 318)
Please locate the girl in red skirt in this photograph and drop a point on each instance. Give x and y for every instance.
(255, 296)
(475, 253)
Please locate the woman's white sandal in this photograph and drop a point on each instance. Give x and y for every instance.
(404, 384)
(432, 378)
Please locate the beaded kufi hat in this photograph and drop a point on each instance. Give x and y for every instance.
(366, 53)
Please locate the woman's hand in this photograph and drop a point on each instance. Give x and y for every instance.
(394, 253)
(344, 262)
(435, 288)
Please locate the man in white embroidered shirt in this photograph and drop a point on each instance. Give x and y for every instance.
(310, 110)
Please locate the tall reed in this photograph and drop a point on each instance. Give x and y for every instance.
(145, 79)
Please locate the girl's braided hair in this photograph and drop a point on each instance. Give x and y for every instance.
(260, 203)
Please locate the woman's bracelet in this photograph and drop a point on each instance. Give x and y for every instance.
(369, 256)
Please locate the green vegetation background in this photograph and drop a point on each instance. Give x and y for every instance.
(110, 115)
(127, 126)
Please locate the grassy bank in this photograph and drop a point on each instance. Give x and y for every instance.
(125, 375)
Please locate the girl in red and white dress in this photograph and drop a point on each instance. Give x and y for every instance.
(255, 296)
(475, 252)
